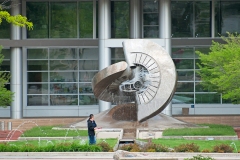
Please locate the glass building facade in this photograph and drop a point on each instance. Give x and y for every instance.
(62, 53)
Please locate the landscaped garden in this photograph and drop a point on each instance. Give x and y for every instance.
(79, 142)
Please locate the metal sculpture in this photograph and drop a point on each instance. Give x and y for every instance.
(145, 83)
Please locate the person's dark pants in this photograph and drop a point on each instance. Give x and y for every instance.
(92, 140)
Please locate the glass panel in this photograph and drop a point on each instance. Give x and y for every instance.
(86, 76)
(202, 19)
(150, 6)
(117, 53)
(88, 53)
(63, 76)
(63, 100)
(119, 19)
(151, 32)
(66, 53)
(87, 100)
(227, 17)
(183, 99)
(37, 76)
(182, 53)
(199, 88)
(37, 53)
(185, 75)
(88, 65)
(202, 50)
(63, 65)
(184, 63)
(150, 18)
(185, 87)
(208, 98)
(37, 12)
(37, 65)
(6, 53)
(37, 89)
(5, 66)
(63, 88)
(197, 76)
(63, 20)
(85, 19)
(37, 100)
(85, 88)
(182, 18)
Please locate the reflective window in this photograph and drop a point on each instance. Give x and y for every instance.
(185, 87)
(117, 55)
(150, 19)
(5, 30)
(207, 98)
(191, 19)
(227, 17)
(183, 99)
(85, 12)
(119, 19)
(185, 75)
(61, 76)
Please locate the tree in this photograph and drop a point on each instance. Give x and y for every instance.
(220, 69)
(6, 95)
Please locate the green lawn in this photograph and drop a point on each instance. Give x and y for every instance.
(208, 130)
(47, 131)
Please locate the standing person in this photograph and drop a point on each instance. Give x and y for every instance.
(91, 129)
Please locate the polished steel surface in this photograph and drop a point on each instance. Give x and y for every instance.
(147, 79)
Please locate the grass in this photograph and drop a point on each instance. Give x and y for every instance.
(203, 144)
(212, 130)
(47, 131)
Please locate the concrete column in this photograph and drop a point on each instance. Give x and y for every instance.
(165, 33)
(135, 19)
(104, 33)
(16, 68)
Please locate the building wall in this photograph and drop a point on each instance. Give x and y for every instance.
(61, 54)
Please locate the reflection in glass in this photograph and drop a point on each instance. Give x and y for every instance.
(88, 65)
(37, 76)
(63, 65)
(117, 53)
(185, 87)
(63, 20)
(86, 76)
(5, 66)
(5, 30)
(63, 76)
(63, 100)
(183, 99)
(87, 100)
(37, 89)
(182, 53)
(202, 19)
(151, 31)
(150, 18)
(185, 75)
(37, 53)
(35, 65)
(85, 88)
(227, 16)
(37, 100)
(85, 13)
(63, 53)
(37, 12)
(204, 50)
(6, 53)
(63, 88)
(207, 98)
(88, 53)
(150, 6)
(182, 18)
(119, 19)
(184, 63)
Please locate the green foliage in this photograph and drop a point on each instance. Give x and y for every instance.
(219, 70)
(212, 129)
(132, 147)
(223, 148)
(105, 146)
(18, 20)
(47, 131)
(5, 95)
(199, 157)
(188, 147)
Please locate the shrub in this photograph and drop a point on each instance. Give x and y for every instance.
(105, 146)
(223, 148)
(155, 147)
(199, 157)
(189, 147)
(206, 151)
(130, 147)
